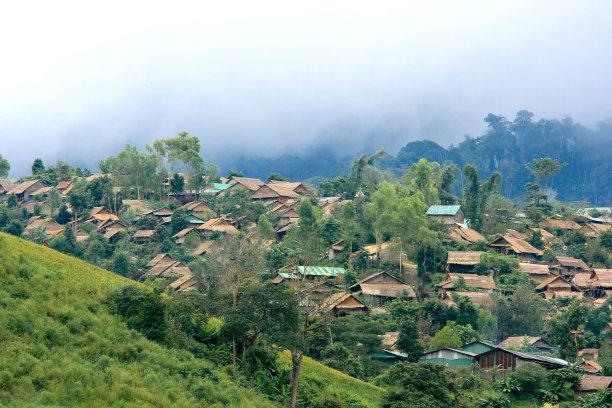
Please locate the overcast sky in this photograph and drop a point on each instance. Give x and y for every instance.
(78, 82)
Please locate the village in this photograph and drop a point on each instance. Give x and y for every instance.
(169, 242)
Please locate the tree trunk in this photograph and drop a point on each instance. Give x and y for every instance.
(296, 367)
(235, 296)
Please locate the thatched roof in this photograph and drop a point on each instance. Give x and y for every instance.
(545, 234)
(604, 278)
(534, 269)
(517, 341)
(518, 246)
(342, 301)
(218, 224)
(561, 224)
(159, 258)
(22, 187)
(143, 234)
(481, 299)
(138, 206)
(569, 262)
(466, 235)
(590, 366)
(594, 382)
(471, 280)
(246, 181)
(556, 283)
(204, 247)
(273, 191)
(463, 258)
(387, 290)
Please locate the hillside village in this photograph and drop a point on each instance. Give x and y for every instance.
(386, 271)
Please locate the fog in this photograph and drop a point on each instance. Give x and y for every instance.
(78, 82)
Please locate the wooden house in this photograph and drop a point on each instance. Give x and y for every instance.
(509, 359)
(535, 271)
(590, 384)
(383, 287)
(217, 224)
(557, 286)
(449, 357)
(340, 304)
(446, 214)
(6, 186)
(81, 235)
(567, 266)
(523, 343)
(561, 224)
(590, 367)
(250, 185)
(277, 192)
(546, 236)
(589, 353)
(336, 249)
(480, 299)
(479, 282)
(466, 236)
(24, 190)
(143, 236)
(139, 207)
(201, 210)
(299, 188)
(179, 237)
(114, 234)
(462, 262)
(64, 187)
(111, 224)
(102, 214)
(205, 247)
(509, 245)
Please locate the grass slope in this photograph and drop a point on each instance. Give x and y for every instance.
(61, 347)
(327, 381)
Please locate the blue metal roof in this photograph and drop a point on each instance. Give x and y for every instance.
(443, 210)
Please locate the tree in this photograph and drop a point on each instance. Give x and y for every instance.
(54, 200)
(132, 169)
(563, 329)
(408, 341)
(121, 264)
(446, 337)
(264, 228)
(64, 171)
(63, 216)
(276, 177)
(179, 220)
(79, 200)
(5, 167)
(477, 194)
(142, 309)
(544, 167)
(177, 184)
(38, 167)
(185, 149)
(419, 385)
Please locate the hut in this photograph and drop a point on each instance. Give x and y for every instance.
(446, 214)
(466, 236)
(484, 283)
(336, 249)
(340, 304)
(590, 384)
(383, 287)
(143, 236)
(526, 342)
(535, 271)
(510, 245)
(567, 266)
(557, 287)
(462, 262)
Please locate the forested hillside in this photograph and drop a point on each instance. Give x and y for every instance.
(506, 146)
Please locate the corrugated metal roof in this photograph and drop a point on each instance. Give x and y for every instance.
(443, 210)
(220, 186)
(321, 270)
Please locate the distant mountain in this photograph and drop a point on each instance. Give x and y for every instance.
(506, 146)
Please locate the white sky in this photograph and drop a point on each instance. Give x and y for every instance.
(79, 81)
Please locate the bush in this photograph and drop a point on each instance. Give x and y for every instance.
(142, 309)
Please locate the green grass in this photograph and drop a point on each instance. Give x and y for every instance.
(317, 378)
(61, 346)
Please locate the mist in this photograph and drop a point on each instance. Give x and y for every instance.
(261, 79)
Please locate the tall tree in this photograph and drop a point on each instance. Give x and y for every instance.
(5, 167)
(544, 167)
(38, 167)
(477, 194)
(185, 150)
(132, 169)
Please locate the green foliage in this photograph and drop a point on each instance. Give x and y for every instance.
(63, 215)
(447, 337)
(38, 167)
(495, 401)
(560, 385)
(177, 183)
(276, 177)
(601, 399)
(408, 341)
(421, 384)
(264, 228)
(179, 220)
(142, 310)
(5, 167)
(561, 326)
(520, 313)
(529, 378)
(340, 358)
(477, 194)
(536, 240)
(61, 346)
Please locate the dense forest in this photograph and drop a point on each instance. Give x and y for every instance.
(506, 146)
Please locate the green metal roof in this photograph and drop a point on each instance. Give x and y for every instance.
(321, 270)
(194, 220)
(221, 186)
(443, 210)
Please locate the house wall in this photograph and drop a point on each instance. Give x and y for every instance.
(507, 361)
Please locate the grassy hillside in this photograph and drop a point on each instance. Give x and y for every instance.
(319, 379)
(61, 347)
